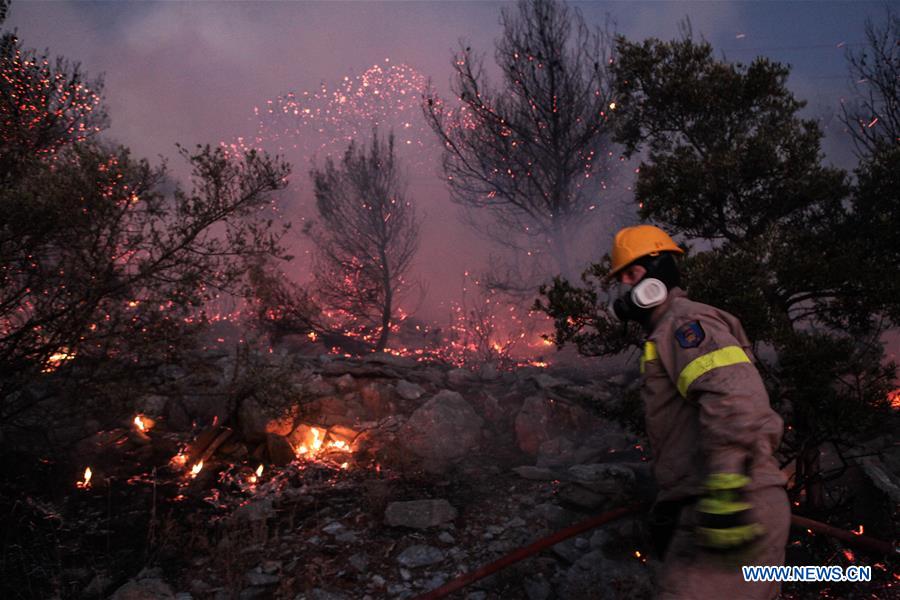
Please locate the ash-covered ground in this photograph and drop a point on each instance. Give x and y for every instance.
(322, 477)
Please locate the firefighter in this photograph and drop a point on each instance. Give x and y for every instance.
(721, 501)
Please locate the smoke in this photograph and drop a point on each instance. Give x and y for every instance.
(195, 72)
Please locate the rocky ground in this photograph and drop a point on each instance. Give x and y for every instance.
(380, 478)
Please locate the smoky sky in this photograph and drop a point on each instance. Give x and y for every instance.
(193, 72)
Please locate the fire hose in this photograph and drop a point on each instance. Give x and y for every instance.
(848, 537)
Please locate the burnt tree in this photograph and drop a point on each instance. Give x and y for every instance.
(366, 236)
(525, 152)
(105, 263)
(873, 117)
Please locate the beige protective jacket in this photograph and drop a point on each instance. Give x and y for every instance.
(706, 408)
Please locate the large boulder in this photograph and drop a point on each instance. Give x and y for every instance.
(443, 429)
(377, 400)
(317, 386)
(345, 383)
(537, 421)
(556, 452)
(257, 421)
(344, 409)
(460, 377)
(409, 391)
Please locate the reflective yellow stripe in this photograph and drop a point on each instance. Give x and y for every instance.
(723, 357)
(649, 354)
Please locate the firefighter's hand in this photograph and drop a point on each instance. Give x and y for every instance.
(724, 519)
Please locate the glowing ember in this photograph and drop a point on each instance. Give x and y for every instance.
(894, 399)
(179, 460)
(312, 336)
(345, 465)
(320, 122)
(317, 439)
(86, 482)
(139, 423)
(848, 554)
(861, 530)
(316, 444)
(255, 477)
(58, 358)
(195, 470)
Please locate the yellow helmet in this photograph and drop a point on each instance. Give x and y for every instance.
(632, 243)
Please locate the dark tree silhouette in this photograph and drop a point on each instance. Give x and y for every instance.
(45, 104)
(788, 245)
(873, 117)
(104, 262)
(526, 152)
(366, 236)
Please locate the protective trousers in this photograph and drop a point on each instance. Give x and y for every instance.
(692, 573)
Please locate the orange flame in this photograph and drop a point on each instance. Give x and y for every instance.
(317, 439)
(894, 399)
(316, 443)
(195, 470)
(56, 359)
(255, 477)
(139, 423)
(179, 460)
(86, 482)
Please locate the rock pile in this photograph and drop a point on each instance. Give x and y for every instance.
(448, 471)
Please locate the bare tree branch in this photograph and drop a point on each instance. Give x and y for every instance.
(366, 236)
(525, 152)
(874, 118)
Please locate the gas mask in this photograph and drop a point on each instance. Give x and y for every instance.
(643, 296)
(636, 303)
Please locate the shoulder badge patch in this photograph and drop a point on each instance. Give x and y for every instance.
(690, 334)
